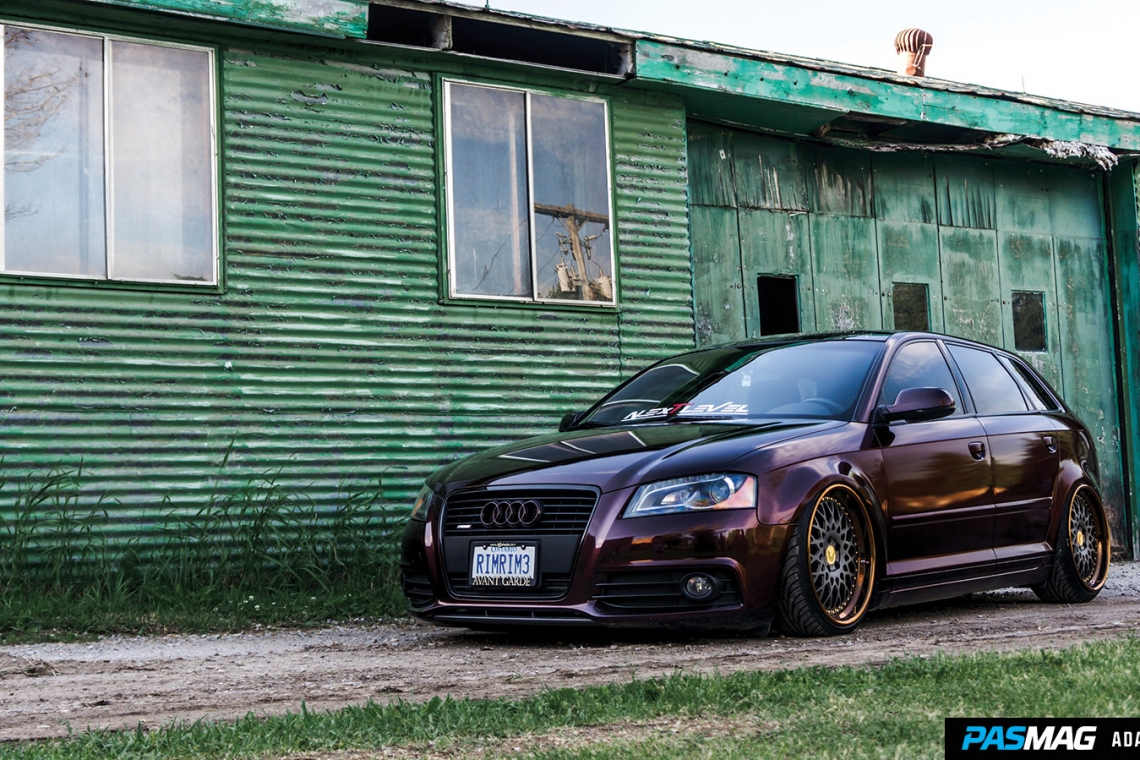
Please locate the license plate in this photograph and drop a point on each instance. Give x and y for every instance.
(504, 565)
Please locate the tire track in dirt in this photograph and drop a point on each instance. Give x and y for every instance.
(119, 682)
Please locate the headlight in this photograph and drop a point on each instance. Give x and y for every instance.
(705, 492)
(423, 498)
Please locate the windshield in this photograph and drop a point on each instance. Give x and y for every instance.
(819, 380)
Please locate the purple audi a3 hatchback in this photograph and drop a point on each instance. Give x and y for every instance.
(802, 482)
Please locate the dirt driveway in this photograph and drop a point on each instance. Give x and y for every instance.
(118, 682)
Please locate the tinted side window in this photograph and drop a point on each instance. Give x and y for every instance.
(993, 389)
(1039, 398)
(919, 365)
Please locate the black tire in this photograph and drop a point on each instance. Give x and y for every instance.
(1081, 553)
(828, 574)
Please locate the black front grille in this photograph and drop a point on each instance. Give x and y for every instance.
(417, 588)
(552, 586)
(565, 512)
(660, 590)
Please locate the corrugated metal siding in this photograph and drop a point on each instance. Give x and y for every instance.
(329, 359)
(651, 184)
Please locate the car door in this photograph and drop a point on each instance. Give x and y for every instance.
(939, 481)
(1023, 454)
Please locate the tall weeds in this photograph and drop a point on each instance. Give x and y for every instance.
(259, 553)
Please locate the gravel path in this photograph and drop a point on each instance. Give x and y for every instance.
(120, 682)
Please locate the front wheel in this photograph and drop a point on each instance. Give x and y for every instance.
(829, 569)
(1080, 554)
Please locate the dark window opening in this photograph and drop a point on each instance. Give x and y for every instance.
(1029, 321)
(779, 305)
(492, 39)
(912, 306)
(404, 27)
(520, 43)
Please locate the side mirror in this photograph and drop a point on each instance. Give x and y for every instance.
(917, 405)
(569, 420)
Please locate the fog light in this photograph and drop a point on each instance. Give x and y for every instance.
(699, 587)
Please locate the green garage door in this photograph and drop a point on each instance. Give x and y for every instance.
(792, 236)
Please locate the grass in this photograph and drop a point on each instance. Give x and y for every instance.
(252, 555)
(895, 710)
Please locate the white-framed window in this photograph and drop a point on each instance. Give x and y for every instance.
(110, 159)
(528, 196)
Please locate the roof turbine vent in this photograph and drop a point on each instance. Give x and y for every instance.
(912, 46)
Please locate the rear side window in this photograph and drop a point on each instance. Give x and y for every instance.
(993, 389)
(1039, 398)
(919, 365)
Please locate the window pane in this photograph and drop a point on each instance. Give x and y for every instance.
(911, 306)
(919, 365)
(1038, 397)
(572, 199)
(991, 387)
(161, 161)
(53, 153)
(491, 223)
(1029, 321)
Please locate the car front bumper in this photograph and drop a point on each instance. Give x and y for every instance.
(627, 573)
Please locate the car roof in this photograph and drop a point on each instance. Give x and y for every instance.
(882, 336)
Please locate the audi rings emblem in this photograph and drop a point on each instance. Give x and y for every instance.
(510, 514)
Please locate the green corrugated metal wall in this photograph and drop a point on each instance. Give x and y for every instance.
(329, 357)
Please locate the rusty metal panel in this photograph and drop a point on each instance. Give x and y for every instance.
(775, 243)
(904, 187)
(846, 273)
(1124, 200)
(908, 252)
(711, 172)
(972, 308)
(329, 360)
(1022, 198)
(1076, 203)
(771, 173)
(965, 191)
(1087, 359)
(1025, 264)
(840, 182)
(717, 285)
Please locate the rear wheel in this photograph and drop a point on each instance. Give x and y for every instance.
(829, 569)
(1081, 552)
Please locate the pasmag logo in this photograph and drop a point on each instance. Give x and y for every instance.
(1048, 738)
(1043, 737)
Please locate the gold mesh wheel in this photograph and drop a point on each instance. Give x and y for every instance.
(1081, 553)
(1088, 540)
(840, 556)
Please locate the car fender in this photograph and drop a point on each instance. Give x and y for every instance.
(786, 493)
(1070, 477)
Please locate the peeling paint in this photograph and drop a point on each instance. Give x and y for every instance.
(343, 18)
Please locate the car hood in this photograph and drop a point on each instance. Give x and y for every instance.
(618, 457)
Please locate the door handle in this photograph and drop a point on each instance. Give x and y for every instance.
(1050, 443)
(978, 450)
